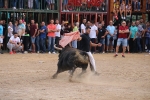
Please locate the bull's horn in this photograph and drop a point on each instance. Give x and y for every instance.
(57, 47)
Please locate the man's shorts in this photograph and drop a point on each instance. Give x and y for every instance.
(1, 40)
(102, 41)
(123, 41)
(108, 41)
(32, 39)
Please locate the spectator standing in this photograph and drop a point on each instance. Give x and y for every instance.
(75, 28)
(43, 32)
(14, 44)
(122, 38)
(110, 30)
(37, 39)
(10, 31)
(26, 39)
(57, 33)
(51, 36)
(143, 37)
(33, 31)
(101, 37)
(21, 28)
(147, 36)
(139, 36)
(15, 27)
(1, 37)
(83, 26)
(21, 31)
(93, 35)
(132, 37)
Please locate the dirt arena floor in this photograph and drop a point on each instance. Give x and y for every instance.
(28, 77)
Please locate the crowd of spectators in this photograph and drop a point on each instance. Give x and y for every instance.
(84, 5)
(40, 38)
(29, 4)
(126, 7)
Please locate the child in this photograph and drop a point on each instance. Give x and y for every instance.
(65, 5)
(84, 4)
(50, 4)
(128, 9)
(116, 9)
(122, 9)
(137, 5)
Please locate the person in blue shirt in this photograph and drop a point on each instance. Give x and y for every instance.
(1, 36)
(132, 37)
(43, 32)
(110, 30)
(147, 37)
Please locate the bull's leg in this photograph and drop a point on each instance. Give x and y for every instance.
(71, 74)
(56, 74)
(83, 71)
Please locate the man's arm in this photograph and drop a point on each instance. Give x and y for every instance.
(42, 31)
(79, 39)
(129, 35)
(35, 32)
(95, 45)
(96, 32)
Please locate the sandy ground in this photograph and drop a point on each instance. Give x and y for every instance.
(28, 77)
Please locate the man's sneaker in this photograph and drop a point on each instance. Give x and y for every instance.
(25, 52)
(103, 52)
(53, 53)
(49, 52)
(14, 52)
(115, 55)
(96, 73)
(38, 51)
(123, 56)
(11, 53)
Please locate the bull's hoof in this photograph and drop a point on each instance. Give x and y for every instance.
(96, 73)
(54, 77)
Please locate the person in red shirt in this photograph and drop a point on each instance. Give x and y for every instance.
(51, 36)
(122, 38)
(33, 31)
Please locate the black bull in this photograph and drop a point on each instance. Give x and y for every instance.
(70, 59)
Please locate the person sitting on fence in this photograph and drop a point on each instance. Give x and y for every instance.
(122, 9)
(137, 5)
(116, 9)
(128, 9)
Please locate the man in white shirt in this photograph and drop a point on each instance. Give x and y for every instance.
(14, 44)
(83, 26)
(57, 33)
(93, 35)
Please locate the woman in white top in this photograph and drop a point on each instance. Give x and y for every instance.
(10, 31)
